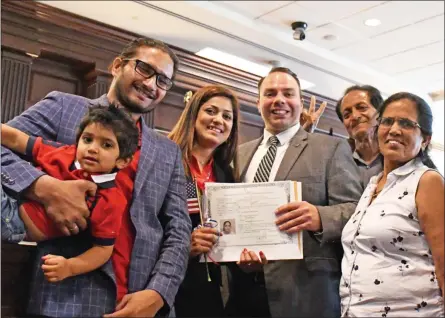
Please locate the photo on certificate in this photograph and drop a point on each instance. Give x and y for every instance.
(245, 216)
(228, 226)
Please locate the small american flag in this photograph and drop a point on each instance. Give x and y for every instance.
(192, 198)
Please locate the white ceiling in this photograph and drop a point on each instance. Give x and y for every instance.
(408, 45)
(405, 52)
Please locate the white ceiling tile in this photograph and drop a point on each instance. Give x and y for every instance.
(316, 13)
(335, 10)
(425, 76)
(412, 59)
(293, 12)
(412, 36)
(253, 9)
(343, 36)
(393, 15)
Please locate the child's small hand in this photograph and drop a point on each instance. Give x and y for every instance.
(56, 268)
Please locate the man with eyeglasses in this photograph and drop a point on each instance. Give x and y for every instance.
(358, 109)
(151, 251)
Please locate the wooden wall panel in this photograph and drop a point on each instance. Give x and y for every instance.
(43, 83)
(167, 113)
(96, 83)
(16, 72)
(252, 125)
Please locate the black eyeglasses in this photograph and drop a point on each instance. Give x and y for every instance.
(147, 71)
(403, 123)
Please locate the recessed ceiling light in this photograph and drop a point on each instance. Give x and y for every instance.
(372, 22)
(243, 64)
(32, 55)
(330, 37)
(234, 61)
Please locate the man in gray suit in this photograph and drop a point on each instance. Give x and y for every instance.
(331, 188)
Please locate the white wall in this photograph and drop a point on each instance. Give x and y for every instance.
(437, 153)
(438, 158)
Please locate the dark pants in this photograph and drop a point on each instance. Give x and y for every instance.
(248, 295)
(197, 297)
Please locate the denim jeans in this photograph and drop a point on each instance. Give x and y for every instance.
(13, 229)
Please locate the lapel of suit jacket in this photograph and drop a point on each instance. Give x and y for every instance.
(220, 176)
(247, 156)
(296, 146)
(146, 158)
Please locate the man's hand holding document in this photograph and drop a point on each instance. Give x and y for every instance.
(246, 214)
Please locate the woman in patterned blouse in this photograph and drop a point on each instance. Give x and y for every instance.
(393, 263)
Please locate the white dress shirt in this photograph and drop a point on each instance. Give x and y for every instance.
(284, 138)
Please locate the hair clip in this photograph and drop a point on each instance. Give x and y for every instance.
(187, 96)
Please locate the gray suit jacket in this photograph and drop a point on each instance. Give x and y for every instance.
(330, 181)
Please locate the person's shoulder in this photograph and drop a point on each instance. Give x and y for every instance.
(66, 96)
(330, 146)
(430, 190)
(248, 144)
(163, 142)
(326, 141)
(69, 102)
(253, 141)
(432, 178)
(320, 137)
(161, 138)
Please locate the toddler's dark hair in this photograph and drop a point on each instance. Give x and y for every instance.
(116, 119)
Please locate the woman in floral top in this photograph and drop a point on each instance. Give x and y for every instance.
(393, 263)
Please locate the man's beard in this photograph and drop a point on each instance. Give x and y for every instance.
(129, 105)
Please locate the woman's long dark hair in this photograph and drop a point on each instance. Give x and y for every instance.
(424, 119)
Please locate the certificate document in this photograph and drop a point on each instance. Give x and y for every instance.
(245, 216)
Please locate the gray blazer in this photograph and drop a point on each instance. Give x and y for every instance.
(330, 181)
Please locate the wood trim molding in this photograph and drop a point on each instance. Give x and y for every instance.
(36, 27)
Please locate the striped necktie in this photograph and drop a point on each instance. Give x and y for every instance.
(263, 171)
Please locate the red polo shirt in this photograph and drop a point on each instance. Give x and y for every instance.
(106, 207)
(123, 243)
